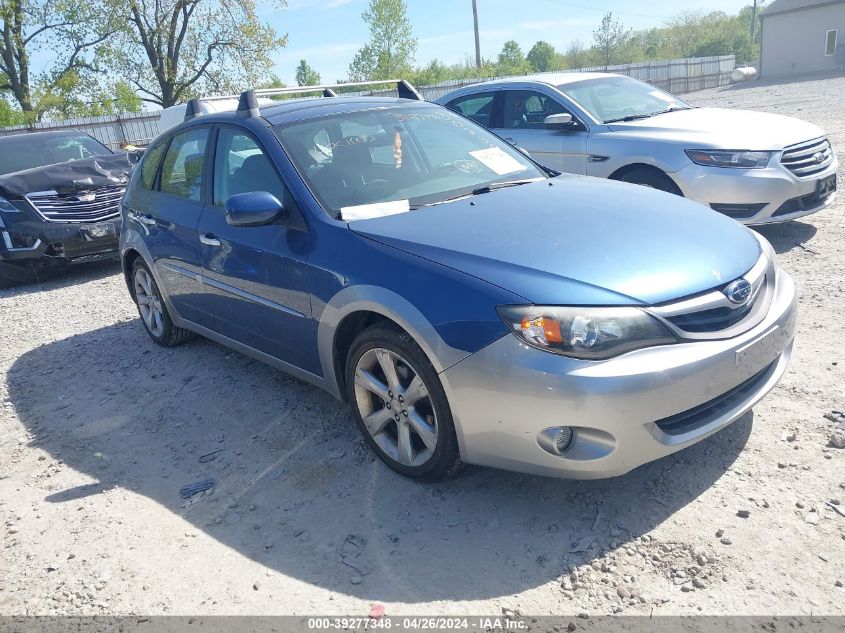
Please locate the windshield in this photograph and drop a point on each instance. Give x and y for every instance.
(28, 151)
(611, 99)
(378, 162)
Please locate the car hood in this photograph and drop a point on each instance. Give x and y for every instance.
(723, 128)
(68, 177)
(577, 240)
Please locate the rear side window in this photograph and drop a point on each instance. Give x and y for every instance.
(478, 107)
(182, 169)
(149, 166)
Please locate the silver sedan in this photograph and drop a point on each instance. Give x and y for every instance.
(755, 167)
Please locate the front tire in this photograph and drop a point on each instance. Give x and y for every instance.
(651, 177)
(152, 309)
(399, 404)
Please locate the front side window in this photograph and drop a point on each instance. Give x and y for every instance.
(182, 169)
(527, 109)
(610, 99)
(830, 42)
(241, 166)
(401, 156)
(477, 107)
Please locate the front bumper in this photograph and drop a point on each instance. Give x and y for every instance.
(756, 196)
(28, 238)
(625, 411)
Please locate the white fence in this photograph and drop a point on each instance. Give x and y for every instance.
(674, 75)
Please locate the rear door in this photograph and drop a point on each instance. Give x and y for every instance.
(167, 204)
(523, 113)
(258, 275)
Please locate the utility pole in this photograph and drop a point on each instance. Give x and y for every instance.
(753, 21)
(477, 40)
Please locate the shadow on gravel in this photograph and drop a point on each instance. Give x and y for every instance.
(787, 236)
(297, 489)
(62, 276)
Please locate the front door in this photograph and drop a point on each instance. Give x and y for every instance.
(167, 204)
(257, 275)
(523, 113)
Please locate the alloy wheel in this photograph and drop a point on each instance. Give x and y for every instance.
(396, 407)
(149, 303)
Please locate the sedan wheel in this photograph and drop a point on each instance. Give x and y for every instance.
(395, 407)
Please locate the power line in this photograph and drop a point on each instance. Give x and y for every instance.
(588, 8)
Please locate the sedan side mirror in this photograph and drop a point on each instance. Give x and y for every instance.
(558, 120)
(255, 208)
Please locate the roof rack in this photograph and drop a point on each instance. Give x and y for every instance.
(248, 100)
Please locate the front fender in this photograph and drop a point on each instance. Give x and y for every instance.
(390, 305)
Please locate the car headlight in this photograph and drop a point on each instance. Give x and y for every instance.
(727, 158)
(584, 332)
(7, 206)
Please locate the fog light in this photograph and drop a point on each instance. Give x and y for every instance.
(563, 439)
(556, 440)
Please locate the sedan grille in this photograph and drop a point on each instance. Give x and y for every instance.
(95, 205)
(809, 158)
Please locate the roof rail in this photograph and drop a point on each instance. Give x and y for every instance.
(248, 100)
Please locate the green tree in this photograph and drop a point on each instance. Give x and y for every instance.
(9, 115)
(305, 75)
(542, 57)
(84, 95)
(172, 50)
(390, 51)
(511, 60)
(72, 33)
(609, 37)
(576, 56)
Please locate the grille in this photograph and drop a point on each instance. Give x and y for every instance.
(801, 203)
(739, 211)
(701, 415)
(809, 158)
(78, 206)
(713, 320)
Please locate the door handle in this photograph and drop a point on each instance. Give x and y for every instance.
(209, 240)
(510, 140)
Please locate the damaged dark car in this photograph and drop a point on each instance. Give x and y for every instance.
(59, 201)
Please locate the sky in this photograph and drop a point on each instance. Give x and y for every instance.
(327, 33)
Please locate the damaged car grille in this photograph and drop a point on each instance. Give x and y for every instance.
(95, 205)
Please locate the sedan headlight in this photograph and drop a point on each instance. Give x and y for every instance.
(584, 332)
(728, 158)
(7, 206)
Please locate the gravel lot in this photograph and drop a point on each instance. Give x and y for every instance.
(99, 430)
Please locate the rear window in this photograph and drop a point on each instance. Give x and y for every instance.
(28, 151)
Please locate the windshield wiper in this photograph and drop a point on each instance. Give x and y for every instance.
(646, 115)
(493, 186)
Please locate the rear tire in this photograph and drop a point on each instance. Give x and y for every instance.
(400, 406)
(153, 310)
(650, 177)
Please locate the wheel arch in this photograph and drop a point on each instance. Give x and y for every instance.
(127, 261)
(623, 171)
(357, 307)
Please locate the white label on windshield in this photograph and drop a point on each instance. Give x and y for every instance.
(498, 161)
(375, 210)
(662, 96)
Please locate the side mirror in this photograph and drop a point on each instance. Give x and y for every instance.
(558, 120)
(255, 208)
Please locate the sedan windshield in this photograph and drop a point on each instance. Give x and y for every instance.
(611, 99)
(28, 151)
(389, 160)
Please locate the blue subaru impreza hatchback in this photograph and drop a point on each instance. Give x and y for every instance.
(470, 305)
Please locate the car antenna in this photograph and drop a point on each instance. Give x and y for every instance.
(193, 109)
